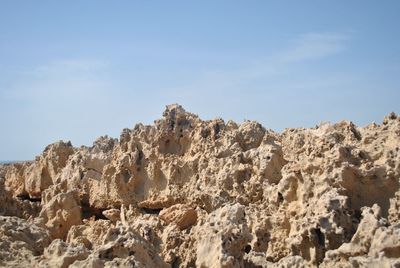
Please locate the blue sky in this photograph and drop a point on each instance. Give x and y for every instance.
(75, 70)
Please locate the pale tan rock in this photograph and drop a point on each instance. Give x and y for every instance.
(159, 203)
(32, 178)
(372, 245)
(15, 178)
(60, 213)
(361, 241)
(113, 214)
(17, 206)
(394, 210)
(223, 238)
(122, 246)
(91, 233)
(327, 196)
(180, 214)
(91, 262)
(21, 242)
(60, 254)
(386, 242)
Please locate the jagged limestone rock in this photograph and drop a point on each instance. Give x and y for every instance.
(185, 192)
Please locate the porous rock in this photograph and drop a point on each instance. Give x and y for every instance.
(188, 192)
(21, 242)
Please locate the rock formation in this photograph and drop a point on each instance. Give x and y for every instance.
(186, 192)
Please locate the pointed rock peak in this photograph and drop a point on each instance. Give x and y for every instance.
(58, 147)
(175, 112)
(104, 144)
(173, 109)
(175, 116)
(390, 117)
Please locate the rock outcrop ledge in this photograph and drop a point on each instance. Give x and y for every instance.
(191, 193)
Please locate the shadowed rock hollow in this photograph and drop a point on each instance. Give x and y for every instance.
(191, 193)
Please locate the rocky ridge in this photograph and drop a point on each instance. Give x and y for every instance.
(186, 192)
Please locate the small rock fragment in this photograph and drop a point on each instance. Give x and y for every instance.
(180, 214)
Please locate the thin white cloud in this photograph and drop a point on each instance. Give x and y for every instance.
(69, 67)
(303, 49)
(86, 79)
(60, 80)
(313, 46)
(83, 77)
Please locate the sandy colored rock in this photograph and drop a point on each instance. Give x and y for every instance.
(222, 239)
(112, 214)
(92, 233)
(60, 213)
(123, 247)
(180, 214)
(19, 207)
(31, 178)
(21, 242)
(60, 254)
(187, 192)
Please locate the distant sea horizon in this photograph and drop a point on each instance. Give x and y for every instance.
(12, 161)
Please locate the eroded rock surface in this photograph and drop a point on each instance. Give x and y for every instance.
(185, 192)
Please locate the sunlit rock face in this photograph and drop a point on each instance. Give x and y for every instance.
(185, 192)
